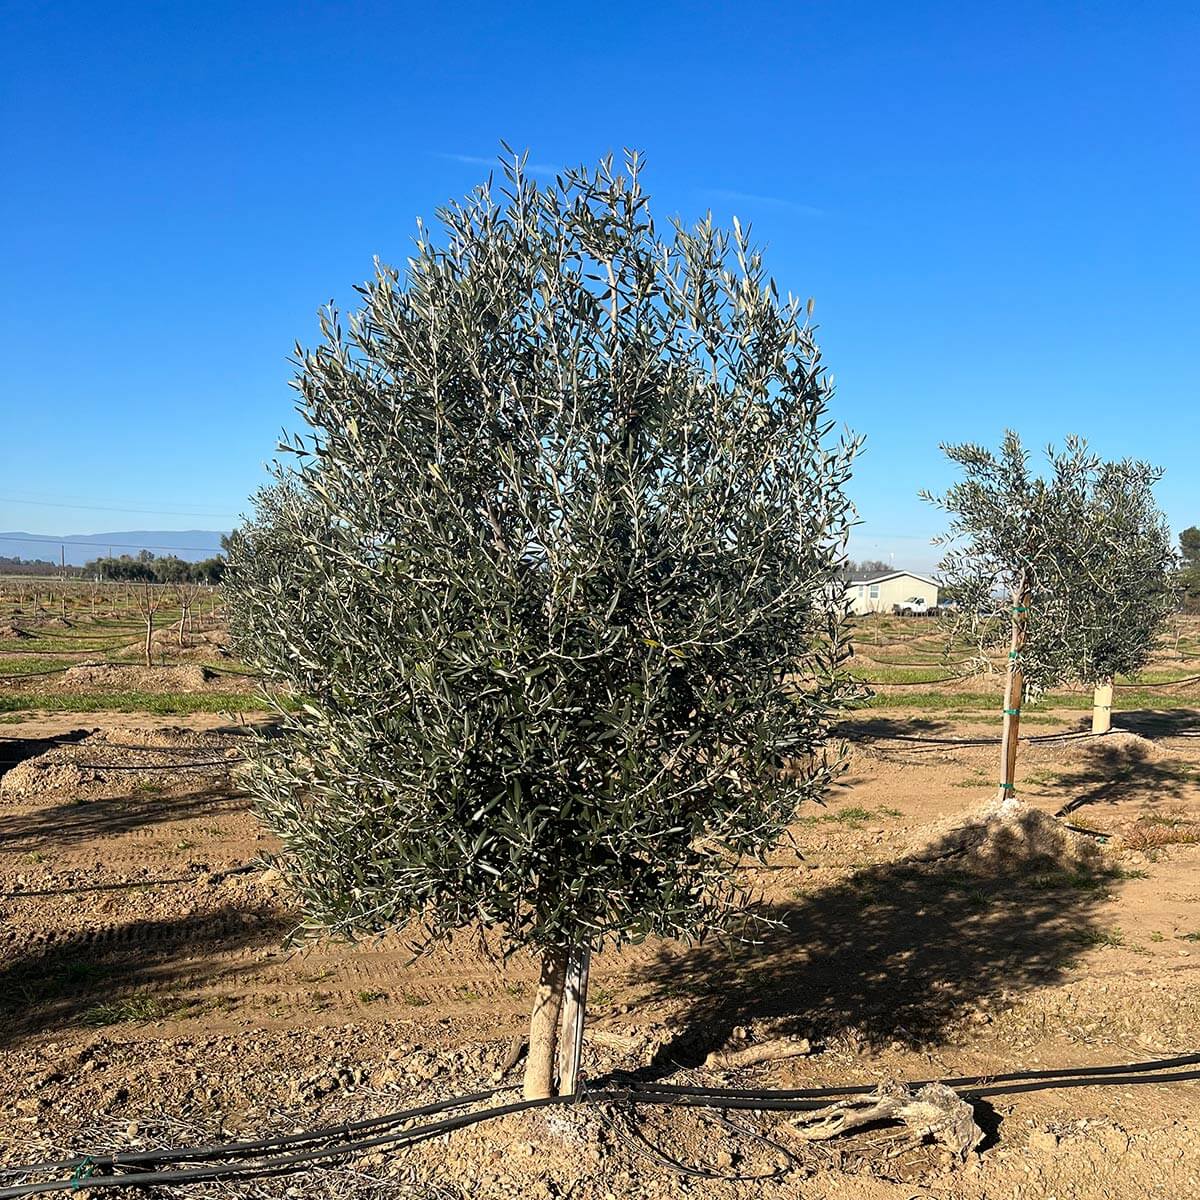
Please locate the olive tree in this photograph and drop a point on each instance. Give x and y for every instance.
(1072, 569)
(554, 571)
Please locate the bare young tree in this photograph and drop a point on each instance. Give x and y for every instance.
(186, 594)
(557, 575)
(149, 598)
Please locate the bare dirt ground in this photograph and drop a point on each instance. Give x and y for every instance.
(148, 993)
(151, 993)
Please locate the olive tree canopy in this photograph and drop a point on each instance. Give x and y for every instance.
(1073, 568)
(555, 576)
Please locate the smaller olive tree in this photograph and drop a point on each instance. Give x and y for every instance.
(1073, 570)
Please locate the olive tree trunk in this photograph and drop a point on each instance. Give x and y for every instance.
(543, 1024)
(1102, 700)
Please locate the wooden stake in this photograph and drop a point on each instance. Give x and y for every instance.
(1014, 692)
(1102, 707)
(570, 1039)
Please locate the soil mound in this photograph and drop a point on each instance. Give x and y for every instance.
(186, 677)
(119, 759)
(1006, 833)
(13, 633)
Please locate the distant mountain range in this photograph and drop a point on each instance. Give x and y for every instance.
(189, 544)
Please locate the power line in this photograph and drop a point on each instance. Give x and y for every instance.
(104, 544)
(147, 512)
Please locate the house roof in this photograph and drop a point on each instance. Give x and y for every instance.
(875, 577)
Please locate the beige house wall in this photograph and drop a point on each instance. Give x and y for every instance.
(868, 597)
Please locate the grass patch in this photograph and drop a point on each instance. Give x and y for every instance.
(1104, 938)
(1084, 881)
(140, 1007)
(855, 816)
(978, 778)
(1151, 831)
(903, 673)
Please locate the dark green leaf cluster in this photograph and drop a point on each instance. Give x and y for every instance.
(556, 574)
(1189, 569)
(1088, 542)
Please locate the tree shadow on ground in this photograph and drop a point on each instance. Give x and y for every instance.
(15, 750)
(1115, 773)
(872, 728)
(899, 951)
(94, 976)
(71, 822)
(1160, 722)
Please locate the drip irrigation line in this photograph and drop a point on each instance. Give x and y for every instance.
(63, 740)
(1040, 738)
(628, 1131)
(35, 652)
(877, 683)
(1160, 683)
(280, 1165)
(259, 1145)
(301, 1150)
(185, 765)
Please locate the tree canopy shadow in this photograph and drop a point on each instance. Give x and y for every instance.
(68, 981)
(15, 750)
(872, 728)
(898, 951)
(1159, 722)
(1116, 772)
(72, 822)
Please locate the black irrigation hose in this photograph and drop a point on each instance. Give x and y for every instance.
(932, 741)
(64, 740)
(185, 765)
(83, 1168)
(257, 1145)
(631, 1134)
(114, 663)
(1160, 683)
(876, 683)
(281, 1165)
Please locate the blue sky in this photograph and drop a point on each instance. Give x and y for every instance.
(994, 207)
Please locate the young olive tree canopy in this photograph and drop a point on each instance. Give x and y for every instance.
(1086, 544)
(554, 576)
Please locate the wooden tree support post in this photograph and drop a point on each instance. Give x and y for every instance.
(570, 1038)
(1014, 692)
(1102, 707)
